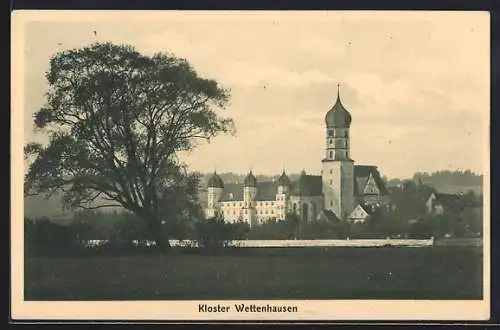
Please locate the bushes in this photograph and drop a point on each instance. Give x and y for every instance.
(291, 228)
(215, 232)
(41, 236)
(271, 229)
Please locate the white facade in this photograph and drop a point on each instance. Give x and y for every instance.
(249, 209)
(338, 186)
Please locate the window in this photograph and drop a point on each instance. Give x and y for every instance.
(331, 154)
(331, 171)
(331, 182)
(272, 203)
(331, 203)
(331, 141)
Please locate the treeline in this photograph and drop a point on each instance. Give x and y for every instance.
(120, 233)
(456, 178)
(464, 178)
(445, 177)
(231, 177)
(380, 224)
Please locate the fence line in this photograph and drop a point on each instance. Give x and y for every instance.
(320, 243)
(295, 243)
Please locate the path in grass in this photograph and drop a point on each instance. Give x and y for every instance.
(291, 273)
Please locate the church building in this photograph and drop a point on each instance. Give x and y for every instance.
(343, 190)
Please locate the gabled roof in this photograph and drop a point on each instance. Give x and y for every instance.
(367, 210)
(361, 175)
(307, 185)
(328, 216)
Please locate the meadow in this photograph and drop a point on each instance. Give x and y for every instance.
(271, 273)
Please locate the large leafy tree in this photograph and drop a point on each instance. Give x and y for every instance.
(116, 121)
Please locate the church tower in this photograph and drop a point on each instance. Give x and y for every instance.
(249, 195)
(215, 187)
(283, 195)
(338, 167)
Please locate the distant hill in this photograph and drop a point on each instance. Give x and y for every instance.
(452, 182)
(39, 206)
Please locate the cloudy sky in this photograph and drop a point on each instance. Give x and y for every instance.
(416, 84)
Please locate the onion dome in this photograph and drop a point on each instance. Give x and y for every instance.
(215, 181)
(338, 116)
(250, 180)
(283, 180)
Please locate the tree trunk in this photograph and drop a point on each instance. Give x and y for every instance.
(158, 234)
(162, 242)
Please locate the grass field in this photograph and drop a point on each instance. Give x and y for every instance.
(273, 273)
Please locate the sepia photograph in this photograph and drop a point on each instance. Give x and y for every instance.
(238, 165)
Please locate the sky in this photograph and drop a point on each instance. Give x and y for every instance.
(416, 84)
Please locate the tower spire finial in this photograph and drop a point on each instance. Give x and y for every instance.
(338, 92)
